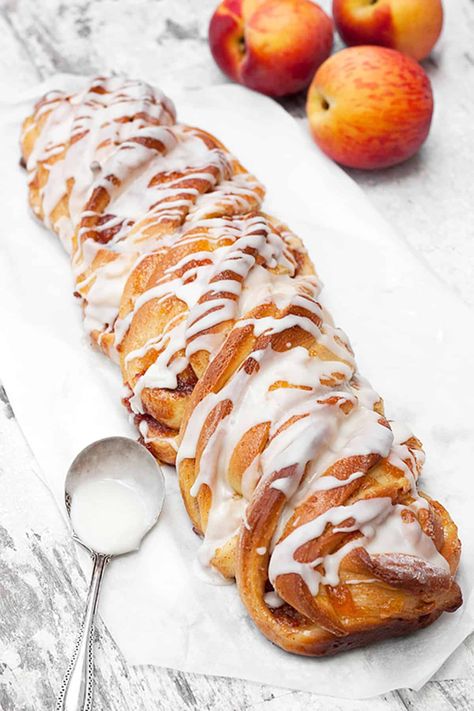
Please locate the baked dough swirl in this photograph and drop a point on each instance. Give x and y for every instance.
(234, 370)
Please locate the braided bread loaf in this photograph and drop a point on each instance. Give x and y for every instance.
(300, 487)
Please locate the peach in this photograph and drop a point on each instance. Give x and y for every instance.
(411, 26)
(272, 46)
(370, 107)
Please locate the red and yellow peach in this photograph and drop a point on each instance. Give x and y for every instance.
(272, 46)
(411, 26)
(370, 107)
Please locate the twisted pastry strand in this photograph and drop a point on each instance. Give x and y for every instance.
(300, 487)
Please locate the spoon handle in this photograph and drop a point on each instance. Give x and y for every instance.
(77, 686)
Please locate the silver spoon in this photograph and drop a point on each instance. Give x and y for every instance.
(111, 462)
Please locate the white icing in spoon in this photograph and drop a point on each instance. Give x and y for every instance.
(110, 516)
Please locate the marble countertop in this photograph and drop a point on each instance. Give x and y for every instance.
(429, 201)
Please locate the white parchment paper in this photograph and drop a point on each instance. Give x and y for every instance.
(413, 340)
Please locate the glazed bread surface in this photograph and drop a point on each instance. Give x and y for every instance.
(300, 487)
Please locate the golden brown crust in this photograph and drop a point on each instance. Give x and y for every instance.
(400, 600)
(212, 309)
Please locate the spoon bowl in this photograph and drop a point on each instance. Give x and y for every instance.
(114, 494)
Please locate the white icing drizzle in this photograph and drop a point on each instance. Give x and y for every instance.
(210, 285)
(272, 600)
(383, 531)
(130, 183)
(119, 137)
(410, 461)
(84, 129)
(325, 416)
(325, 483)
